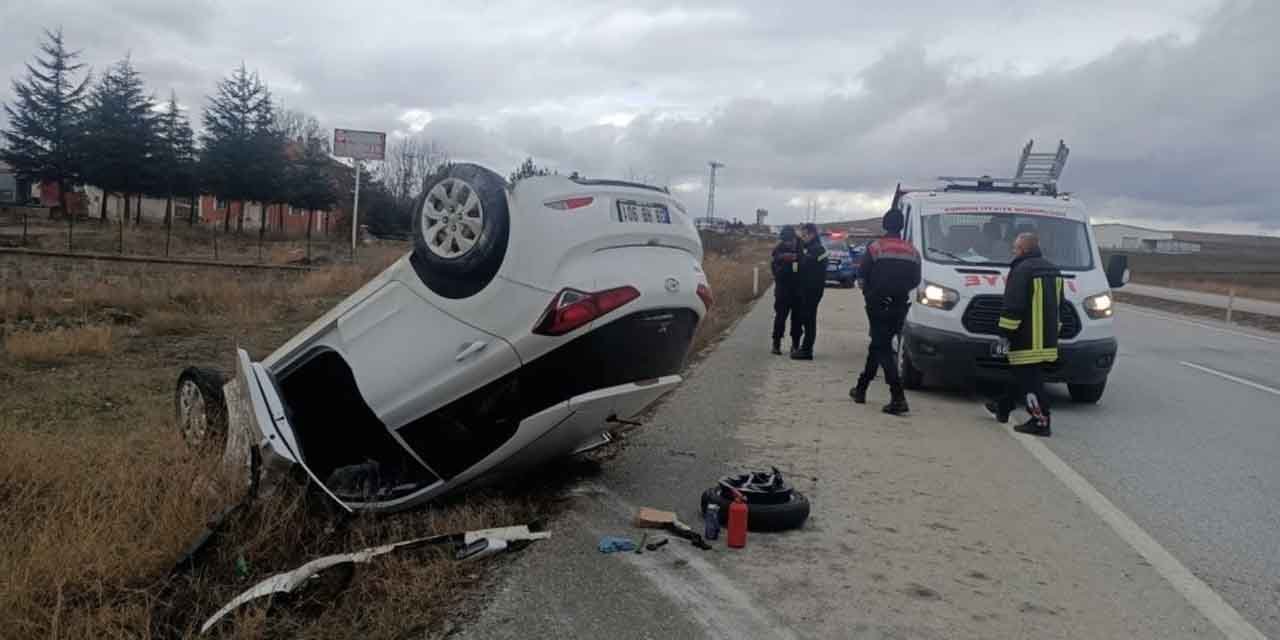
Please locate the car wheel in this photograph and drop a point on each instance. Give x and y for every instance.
(461, 227)
(1087, 393)
(763, 517)
(912, 378)
(201, 408)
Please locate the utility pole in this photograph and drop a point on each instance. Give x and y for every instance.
(711, 189)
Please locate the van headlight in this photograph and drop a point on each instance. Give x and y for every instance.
(937, 296)
(1098, 306)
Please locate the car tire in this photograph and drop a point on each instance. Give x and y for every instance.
(912, 378)
(461, 228)
(1087, 393)
(763, 517)
(201, 408)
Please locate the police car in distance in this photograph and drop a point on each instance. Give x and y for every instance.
(964, 231)
(842, 259)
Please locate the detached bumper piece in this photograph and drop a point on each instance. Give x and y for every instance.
(470, 545)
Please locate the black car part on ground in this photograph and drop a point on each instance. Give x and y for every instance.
(470, 272)
(772, 504)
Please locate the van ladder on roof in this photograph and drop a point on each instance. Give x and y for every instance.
(1046, 167)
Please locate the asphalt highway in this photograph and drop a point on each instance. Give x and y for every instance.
(1186, 441)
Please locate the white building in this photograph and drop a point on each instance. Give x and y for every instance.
(1126, 237)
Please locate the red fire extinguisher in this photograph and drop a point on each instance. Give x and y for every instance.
(737, 537)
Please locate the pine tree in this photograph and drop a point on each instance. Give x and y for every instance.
(269, 162)
(43, 138)
(120, 136)
(236, 138)
(311, 182)
(175, 154)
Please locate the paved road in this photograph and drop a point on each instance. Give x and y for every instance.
(1207, 299)
(944, 525)
(1192, 456)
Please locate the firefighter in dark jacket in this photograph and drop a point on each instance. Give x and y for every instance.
(786, 295)
(1029, 320)
(889, 271)
(811, 270)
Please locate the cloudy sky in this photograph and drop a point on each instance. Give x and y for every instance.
(1171, 107)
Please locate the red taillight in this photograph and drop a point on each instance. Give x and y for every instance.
(570, 203)
(704, 292)
(571, 309)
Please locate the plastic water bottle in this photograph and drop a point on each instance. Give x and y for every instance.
(711, 522)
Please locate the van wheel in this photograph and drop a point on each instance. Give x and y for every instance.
(201, 408)
(912, 378)
(1087, 393)
(461, 227)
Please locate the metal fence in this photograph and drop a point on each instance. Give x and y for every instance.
(40, 228)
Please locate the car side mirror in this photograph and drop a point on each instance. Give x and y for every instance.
(1118, 271)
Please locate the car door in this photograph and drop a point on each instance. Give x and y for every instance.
(409, 358)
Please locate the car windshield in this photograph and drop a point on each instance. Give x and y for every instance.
(983, 238)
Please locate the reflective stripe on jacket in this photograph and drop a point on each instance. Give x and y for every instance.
(1032, 297)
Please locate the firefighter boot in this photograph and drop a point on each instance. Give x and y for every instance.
(1035, 426)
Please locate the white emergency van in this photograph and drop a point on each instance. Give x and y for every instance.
(964, 230)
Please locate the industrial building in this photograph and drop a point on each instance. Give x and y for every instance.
(1124, 237)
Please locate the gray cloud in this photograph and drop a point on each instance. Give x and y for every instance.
(1168, 106)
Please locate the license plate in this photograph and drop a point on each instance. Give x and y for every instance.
(1000, 349)
(652, 213)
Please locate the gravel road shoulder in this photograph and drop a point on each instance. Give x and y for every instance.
(935, 526)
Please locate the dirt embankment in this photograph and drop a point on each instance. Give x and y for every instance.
(101, 497)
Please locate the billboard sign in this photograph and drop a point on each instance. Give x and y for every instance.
(359, 145)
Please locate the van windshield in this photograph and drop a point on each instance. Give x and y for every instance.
(987, 239)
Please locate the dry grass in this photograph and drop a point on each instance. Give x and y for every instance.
(729, 264)
(99, 498)
(1256, 286)
(149, 239)
(59, 344)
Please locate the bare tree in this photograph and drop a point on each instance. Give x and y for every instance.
(409, 162)
(296, 125)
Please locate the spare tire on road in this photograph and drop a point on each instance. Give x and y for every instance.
(764, 517)
(772, 505)
(461, 227)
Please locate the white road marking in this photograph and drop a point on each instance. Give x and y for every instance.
(1200, 595)
(1162, 316)
(703, 591)
(1227, 376)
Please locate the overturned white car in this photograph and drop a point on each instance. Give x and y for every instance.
(527, 320)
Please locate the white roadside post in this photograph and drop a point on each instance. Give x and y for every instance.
(1231, 302)
(755, 281)
(355, 211)
(358, 145)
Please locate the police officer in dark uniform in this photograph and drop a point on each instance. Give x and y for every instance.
(812, 283)
(786, 295)
(1029, 320)
(890, 269)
